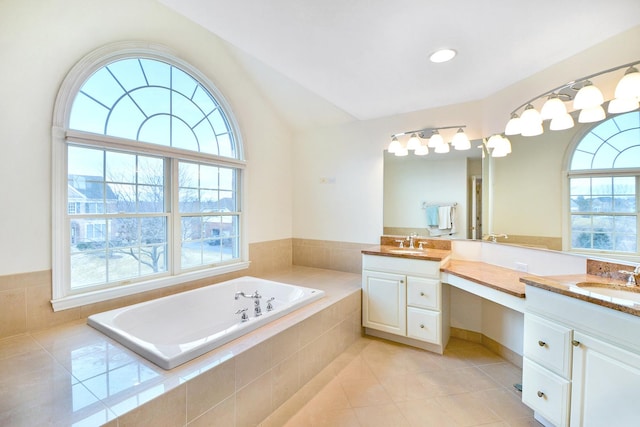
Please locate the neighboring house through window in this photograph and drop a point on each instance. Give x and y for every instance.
(604, 179)
(148, 166)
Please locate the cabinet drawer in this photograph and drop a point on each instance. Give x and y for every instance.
(423, 293)
(545, 392)
(548, 343)
(423, 325)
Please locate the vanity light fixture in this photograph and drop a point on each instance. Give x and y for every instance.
(586, 97)
(460, 141)
(497, 146)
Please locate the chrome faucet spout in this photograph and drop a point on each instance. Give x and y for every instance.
(634, 276)
(493, 237)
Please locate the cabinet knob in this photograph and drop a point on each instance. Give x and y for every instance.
(542, 343)
(421, 294)
(540, 394)
(421, 326)
(401, 281)
(575, 343)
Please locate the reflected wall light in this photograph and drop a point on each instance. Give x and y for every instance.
(586, 97)
(460, 141)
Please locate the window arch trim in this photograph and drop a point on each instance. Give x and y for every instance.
(61, 134)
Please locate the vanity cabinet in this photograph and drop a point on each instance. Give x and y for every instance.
(403, 300)
(546, 368)
(581, 364)
(606, 384)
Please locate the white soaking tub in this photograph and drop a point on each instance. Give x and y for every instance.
(172, 330)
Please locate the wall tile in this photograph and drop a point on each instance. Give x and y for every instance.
(253, 402)
(13, 312)
(168, 409)
(210, 389)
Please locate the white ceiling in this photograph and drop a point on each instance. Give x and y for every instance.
(369, 58)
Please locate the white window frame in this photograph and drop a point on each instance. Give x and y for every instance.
(61, 136)
(591, 173)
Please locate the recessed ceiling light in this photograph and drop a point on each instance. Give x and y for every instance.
(442, 55)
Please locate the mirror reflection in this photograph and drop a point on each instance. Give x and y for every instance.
(573, 189)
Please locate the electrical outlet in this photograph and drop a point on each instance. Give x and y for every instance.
(521, 266)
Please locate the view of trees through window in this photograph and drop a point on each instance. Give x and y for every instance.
(130, 209)
(603, 187)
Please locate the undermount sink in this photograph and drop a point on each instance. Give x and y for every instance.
(613, 291)
(407, 251)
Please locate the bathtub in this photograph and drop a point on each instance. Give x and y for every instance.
(172, 330)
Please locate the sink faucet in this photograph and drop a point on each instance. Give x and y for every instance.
(494, 237)
(634, 276)
(411, 239)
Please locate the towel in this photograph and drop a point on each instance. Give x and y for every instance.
(444, 217)
(432, 216)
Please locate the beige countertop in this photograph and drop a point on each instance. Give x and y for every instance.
(568, 285)
(498, 278)
(428, 254)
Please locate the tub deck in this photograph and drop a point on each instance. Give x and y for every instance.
(75, 375)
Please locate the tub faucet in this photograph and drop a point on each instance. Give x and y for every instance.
(257, 310)
(634, 276)
(493, 237)
(244, 316)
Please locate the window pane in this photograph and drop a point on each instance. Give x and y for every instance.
(209, 240)
(151, 101)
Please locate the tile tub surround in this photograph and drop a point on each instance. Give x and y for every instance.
(73, 374)
(25, 298)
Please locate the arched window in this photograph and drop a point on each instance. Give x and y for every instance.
(147, 178)
(604, 178)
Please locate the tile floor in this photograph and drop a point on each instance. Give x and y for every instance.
(379, 383)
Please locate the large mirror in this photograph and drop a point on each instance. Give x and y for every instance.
(415, 187)
(521, 196)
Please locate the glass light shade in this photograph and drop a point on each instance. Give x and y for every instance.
(413, 142)
(422, 150)
(532, 129)
(593, 114)
(460, 141)
(394, 145)
(629, 86)
(402, 151)
(622, 105)
(435, 140)
(530, 116)
(587, 97)
(562, 122)
(442, 55)
(442, 148)
(499, 152)
(552, 108)
(514, 126)
(506, 145)
(494, 141)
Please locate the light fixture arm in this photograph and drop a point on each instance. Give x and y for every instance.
(421, 132)
(574, 82)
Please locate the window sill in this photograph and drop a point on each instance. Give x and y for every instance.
(78, 300)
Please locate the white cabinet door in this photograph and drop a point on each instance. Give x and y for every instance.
(606, 384)
(384, 299)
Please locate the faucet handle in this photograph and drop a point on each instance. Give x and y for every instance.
(401, 243)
